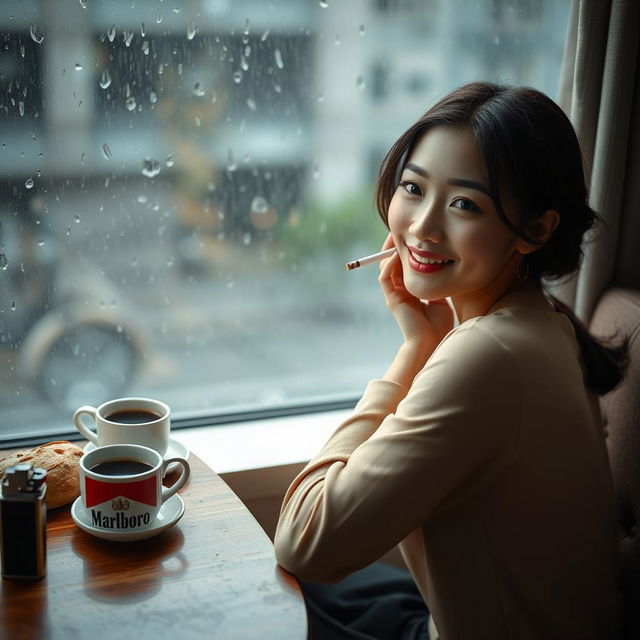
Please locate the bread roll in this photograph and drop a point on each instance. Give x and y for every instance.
(61, 460)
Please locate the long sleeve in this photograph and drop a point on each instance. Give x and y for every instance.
(402, 457)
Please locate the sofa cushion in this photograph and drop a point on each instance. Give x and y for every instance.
(618, 313)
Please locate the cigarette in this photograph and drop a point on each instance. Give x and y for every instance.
(374, 257)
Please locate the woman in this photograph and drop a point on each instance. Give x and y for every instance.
(481, 450)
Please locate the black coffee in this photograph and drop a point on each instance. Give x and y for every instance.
(122, 467)
(133, 416)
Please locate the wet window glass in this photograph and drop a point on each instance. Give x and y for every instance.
(183, 182)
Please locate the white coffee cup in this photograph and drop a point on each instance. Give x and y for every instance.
(140, 421)
(121, 486)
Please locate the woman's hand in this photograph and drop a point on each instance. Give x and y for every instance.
(423, 324)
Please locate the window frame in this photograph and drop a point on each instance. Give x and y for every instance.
(211, 420)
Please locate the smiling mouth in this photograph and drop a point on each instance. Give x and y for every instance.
(426, 265)
(423, 260)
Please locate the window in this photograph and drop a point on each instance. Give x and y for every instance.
(183, 182)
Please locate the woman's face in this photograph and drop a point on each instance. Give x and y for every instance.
(451, 241)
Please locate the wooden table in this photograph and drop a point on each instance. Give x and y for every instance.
(212, 575)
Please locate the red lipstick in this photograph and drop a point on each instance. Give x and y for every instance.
(425, 267)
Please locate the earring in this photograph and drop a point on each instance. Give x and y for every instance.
(525, 275)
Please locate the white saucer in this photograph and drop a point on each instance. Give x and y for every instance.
(170, 512)
(175, 449)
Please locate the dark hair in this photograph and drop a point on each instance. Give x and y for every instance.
(531, 152)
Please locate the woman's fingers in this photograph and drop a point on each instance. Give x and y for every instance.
(389, 269)
(388, 242)
(392, 282)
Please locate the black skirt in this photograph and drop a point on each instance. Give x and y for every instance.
(380, 602)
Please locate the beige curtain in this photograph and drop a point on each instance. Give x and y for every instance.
(600, 91)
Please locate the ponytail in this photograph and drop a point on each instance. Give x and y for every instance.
(605, 361)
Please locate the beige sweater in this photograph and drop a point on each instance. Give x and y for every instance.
(490, 472)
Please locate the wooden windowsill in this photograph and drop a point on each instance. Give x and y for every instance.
(261, 444)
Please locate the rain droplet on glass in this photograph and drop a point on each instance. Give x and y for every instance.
(29, 183)
(143, 32)
(105, 80)
(159, 18)
(150, 167)
(316, 172)
(170, 161)
(142, 198)
(360, 83)
(251, 104)
(153, 98)
(130, 103)
(21, 107)
(277, 88)
(4, 263)
(127, 37)
(68, 232)
(259, 205)
(198, 90)
(278, 58)
(76, 219)
(246, 239)
(323, 3)
(191, 31)
(106, 151)
(13, 305)
(134, 262)
(145, 47)
(264, 36)
(237, 76)
(78, 66)
(362, 30)
(337, 41)
(83, 4)
(22, 50)
(111, 33)
(36, 33)
(244, 65)
(320, 97)
(41, 243)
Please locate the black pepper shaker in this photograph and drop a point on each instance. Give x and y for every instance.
(23, 522)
